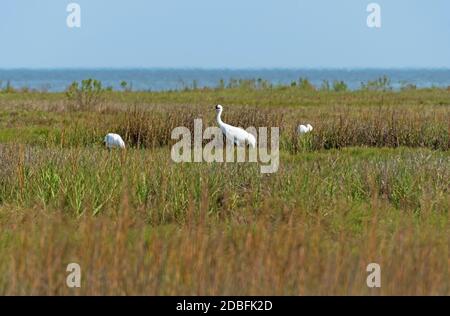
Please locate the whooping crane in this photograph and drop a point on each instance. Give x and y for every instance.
(114, 141)
(303, 129)
(239, 136)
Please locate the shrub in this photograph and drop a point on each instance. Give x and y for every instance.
(304, 84)
(85, 96)
(380, 84)
(339, 86)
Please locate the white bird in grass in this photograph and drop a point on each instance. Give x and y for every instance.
(114, 141)
(303, 129)
(237, 135)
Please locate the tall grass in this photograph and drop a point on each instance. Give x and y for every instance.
(91, 180)
(162, 228)
(370, 184)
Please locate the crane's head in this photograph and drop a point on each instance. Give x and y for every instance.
(219, 108)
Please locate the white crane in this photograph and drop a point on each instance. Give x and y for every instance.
(114, 141)
(303, 129)
(237, 135)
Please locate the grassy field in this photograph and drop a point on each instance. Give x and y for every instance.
(370, 184)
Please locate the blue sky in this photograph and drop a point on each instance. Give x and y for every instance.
(224, 34)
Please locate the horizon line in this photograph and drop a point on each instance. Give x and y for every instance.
(224, 68)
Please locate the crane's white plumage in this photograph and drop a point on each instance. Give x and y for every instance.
(303, 129)
(114, 141)
(237, 135)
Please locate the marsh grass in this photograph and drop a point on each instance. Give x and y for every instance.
(370, 184)
(144, 225)
(419, 118)
(295, 255)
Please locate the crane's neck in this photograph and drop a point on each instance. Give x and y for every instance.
(218, 118)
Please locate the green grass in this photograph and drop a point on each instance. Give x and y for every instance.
(370, 184)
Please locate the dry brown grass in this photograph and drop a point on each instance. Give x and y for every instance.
(166, 229)
(138, 223)
(293, 255)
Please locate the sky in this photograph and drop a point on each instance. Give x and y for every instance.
(225, 34)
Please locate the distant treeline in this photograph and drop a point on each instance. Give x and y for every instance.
(380, 84)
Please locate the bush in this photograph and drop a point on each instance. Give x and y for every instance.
(339, 86)
(405, 86)
(304, 84)
(85, 96)
(380, 84)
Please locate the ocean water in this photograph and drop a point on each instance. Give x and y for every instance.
(174, 79)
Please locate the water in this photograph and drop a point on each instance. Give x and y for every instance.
(173, 79)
